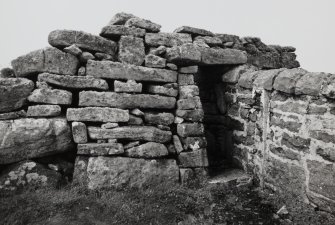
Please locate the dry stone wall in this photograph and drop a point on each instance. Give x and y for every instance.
(129, 107)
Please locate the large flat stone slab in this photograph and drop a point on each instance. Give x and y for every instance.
(137, 133)
(94, 149)
(14, 92)
(125, 101)
(51, 96)
(120, 172)
(167, 39)
(210, 56)
(193, 30)
(116, 70)
(116, 31)
(97, 114)
(30, 138)
(51, 60)
(85, 41)
(76, 82)
(196, 158)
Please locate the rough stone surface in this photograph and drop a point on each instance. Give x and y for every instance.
(311, 83)
(119, 172)
(144, 24)
(154, 61)
(211, 41)
(195, 115)
(148, 150)
(160, 51)
(186, 54)
(287, 79)
(49, 60)
(116, 31)
(30, 138)
(134, 120)
(120, 18)
(130, 86)
(97, 114)
(265, 79)
(28, 173)
(196, 158)
(14, 92)
(13, 115)
(247, 79)
(115, 70)
(85, 41)
(79, 132)
(188, 91)
(226, 56)
(73, 49)
(177, 144)
(189, 103)
(162, 118)
(190, 129)
(7, 73)
(233, 75)
(43, 110)
(143, 133)
(75, 82)
(185, 79)
(51, 96)
(125, 101)
(94, 149)
(167, 39)
(168, 90)
(193, 31)
(109, 125)
(131, 50)
(328, 88)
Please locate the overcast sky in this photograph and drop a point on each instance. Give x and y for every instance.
(308, 25)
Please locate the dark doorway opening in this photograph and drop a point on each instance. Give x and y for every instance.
(216, 122)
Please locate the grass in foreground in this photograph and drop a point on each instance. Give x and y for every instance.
(74, 205)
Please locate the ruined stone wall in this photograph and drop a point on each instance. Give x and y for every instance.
(135, 107)
(286, 129)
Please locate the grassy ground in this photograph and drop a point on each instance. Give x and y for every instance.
(178, 205)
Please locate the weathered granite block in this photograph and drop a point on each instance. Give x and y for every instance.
(188, 91)
(154, 61)
(116, 31)
(144, 24)
(287, 79)
(43, 110)
(193, 31)
(130, 86)
(120, 172)
(194, 115)
(116, 70)
(147, 150)
(136, 133)
(125, 101)
(79, 132)
(30, 138)
(51, 96)
(97, 114)
(49, 60)
(196, 158)
(85, 41)
(131, 50)
(296, 142)
(168, 90)
(159, 118)
(104, 149)
(14, 92)
(75, 82)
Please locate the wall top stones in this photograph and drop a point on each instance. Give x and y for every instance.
(294, 81)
